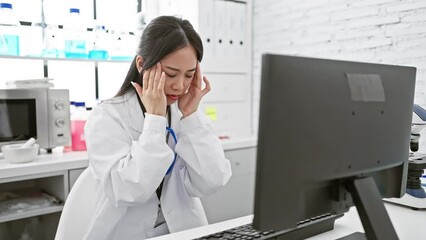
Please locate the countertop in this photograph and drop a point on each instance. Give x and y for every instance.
(59, 161)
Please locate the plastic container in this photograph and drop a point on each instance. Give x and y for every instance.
(72, 112)
(121, 46)
(15, 153)
(75, 33)
(99, 43)
(78, 120)
(53, 45)
(53, 37)
(9, 30)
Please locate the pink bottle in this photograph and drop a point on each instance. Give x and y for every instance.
(77, 127)
(68, 148)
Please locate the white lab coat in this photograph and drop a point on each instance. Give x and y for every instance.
(129, 155)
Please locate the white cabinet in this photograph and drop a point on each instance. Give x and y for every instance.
(236, 199)
(225, 30)
(54, 174)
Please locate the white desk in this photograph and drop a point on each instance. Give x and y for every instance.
(409, 224)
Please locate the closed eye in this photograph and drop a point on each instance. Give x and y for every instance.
(171, 76)
(189, 76)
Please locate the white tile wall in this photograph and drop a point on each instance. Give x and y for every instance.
(382, 31)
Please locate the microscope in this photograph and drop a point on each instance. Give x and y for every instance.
(416, 161)
(415, 197)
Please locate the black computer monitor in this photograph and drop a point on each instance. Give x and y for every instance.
(332, 134)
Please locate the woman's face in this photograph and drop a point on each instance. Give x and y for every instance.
(179, 67)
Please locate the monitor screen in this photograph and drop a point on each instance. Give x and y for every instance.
(332, 134)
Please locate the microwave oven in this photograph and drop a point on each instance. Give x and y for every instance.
(41, 113)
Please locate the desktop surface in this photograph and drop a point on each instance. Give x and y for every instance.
(407, 223)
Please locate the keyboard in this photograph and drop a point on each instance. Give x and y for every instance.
(304, 229)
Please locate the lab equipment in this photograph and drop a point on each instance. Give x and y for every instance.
(121, 46)
(100, 43)
(68, 148)
(17, 153)
(9, 30)
(53, 45)
(416, 196)
(417, 161)
(28, 143)
(41, 113)
(75, 35)
(332, 134)
(78, 120)
(53, 37)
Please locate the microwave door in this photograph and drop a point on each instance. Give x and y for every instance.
(23, 116)
(17, 119)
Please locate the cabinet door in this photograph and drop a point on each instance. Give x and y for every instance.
(236, 199)
(73, 175)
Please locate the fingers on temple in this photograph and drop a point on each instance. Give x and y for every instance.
(197, 82)
(208, 87)
(151, 78)
(161, 82)
(145, 79)
(157, 75)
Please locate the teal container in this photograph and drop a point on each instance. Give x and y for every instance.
(75, 49)
(9, 31)
(75, 36)
(9, 45)
(98, 54)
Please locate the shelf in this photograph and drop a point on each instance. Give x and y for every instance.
(32, 213)
(63, 59)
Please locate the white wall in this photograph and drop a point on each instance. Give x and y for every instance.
(380, 31)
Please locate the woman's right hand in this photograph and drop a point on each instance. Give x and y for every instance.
(151, 92)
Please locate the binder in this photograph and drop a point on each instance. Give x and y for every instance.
(207, 26)
(241, 29)
(220, 28)
(231, 24)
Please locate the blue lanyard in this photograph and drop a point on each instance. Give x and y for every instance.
(170, 130)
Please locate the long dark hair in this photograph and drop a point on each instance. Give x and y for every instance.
(162, 36)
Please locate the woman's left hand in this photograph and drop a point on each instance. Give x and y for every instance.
(189, 101)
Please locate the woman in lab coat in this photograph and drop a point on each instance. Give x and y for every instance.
(153, 152)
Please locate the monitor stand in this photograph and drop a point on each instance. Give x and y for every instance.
(371, 210)
(354, 236)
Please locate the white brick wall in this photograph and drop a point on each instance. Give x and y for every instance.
(381, 31)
